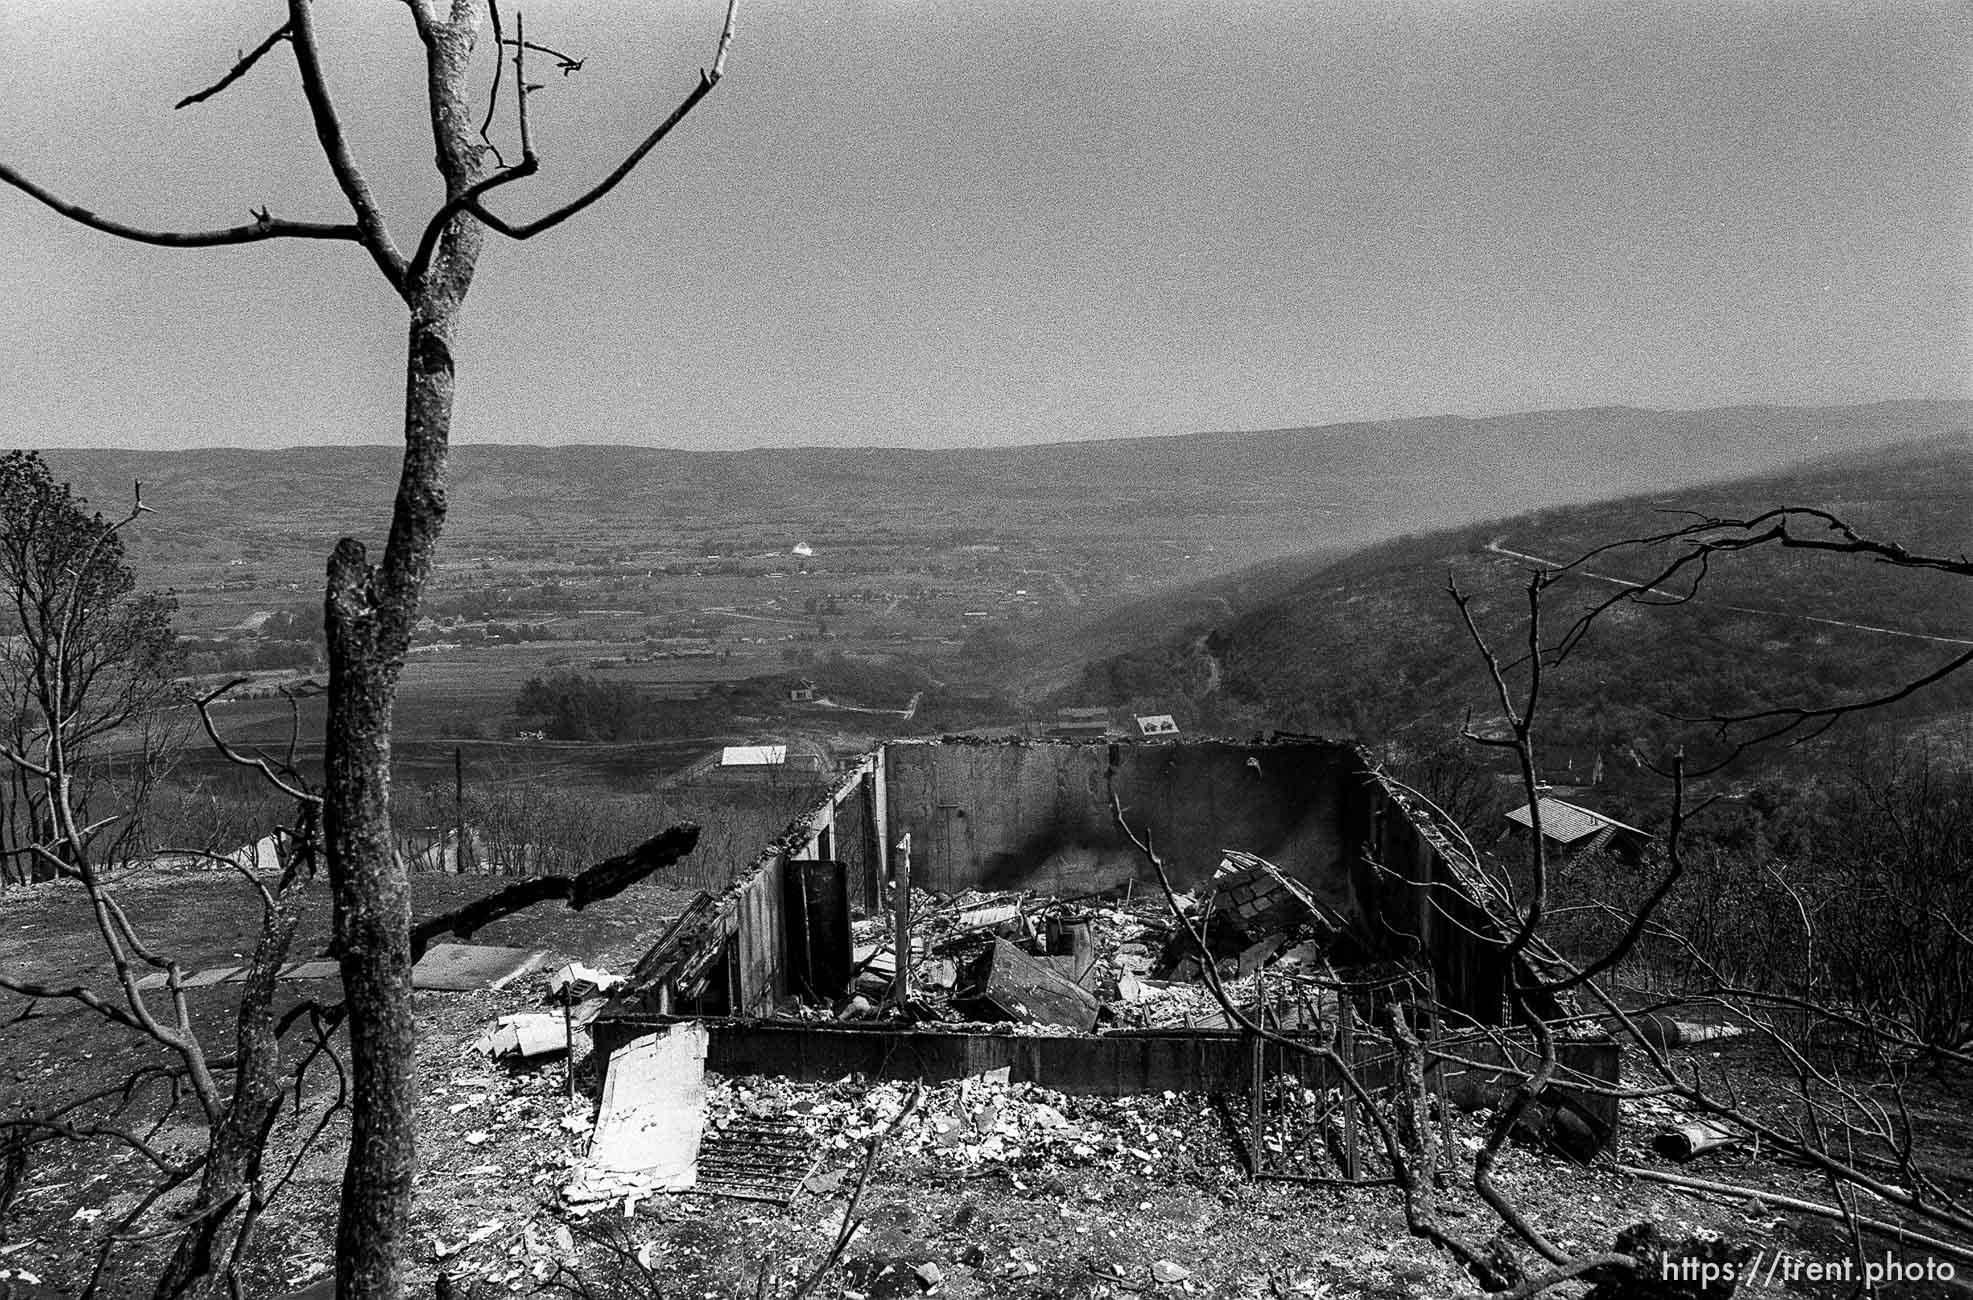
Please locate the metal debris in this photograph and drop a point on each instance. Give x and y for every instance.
(757, 1159)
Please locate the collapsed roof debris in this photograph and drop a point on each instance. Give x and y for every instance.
(1035, 936)
(1310, 839)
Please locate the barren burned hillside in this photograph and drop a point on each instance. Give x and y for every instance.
(1373, 646)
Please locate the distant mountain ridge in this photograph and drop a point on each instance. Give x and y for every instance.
(1242, 496)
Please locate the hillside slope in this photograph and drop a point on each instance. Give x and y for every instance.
(1373, 645)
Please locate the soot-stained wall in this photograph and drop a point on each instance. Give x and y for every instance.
(985, 815)
(1037, 816)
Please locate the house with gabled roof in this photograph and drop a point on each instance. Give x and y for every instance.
(1577, 834)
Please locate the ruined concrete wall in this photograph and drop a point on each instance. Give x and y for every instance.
(843, 828)
(1037, 816)
(838, 828)
(1415, 899)
(757, 915)
(1114, 1064)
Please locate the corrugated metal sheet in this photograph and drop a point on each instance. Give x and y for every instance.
(753, 756)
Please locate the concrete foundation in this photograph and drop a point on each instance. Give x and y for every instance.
(1038, 816)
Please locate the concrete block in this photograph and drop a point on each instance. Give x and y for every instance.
(1023, 988)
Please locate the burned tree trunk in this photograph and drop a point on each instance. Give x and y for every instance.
(230, 1186)
(369, 613)
(370, 609)
(372, 927)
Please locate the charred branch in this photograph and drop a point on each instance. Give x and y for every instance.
(1521, 722)
(1902, 1235)
(567, 64)
(493, 93)
(1806, 723)
(1680, 579)
(606, 879)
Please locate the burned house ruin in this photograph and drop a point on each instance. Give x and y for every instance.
(1037, 935)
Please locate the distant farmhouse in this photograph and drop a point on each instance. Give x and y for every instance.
(1578, 835)
(1080, 724)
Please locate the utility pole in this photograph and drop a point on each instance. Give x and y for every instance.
(461, 854)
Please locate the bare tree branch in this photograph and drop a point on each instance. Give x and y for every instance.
(606, 879)
(240, 69)
(708, 78)
(567, 64)
(469, 199)
(492, 95)
(1788, 719)
(1897, 1233)
(1679, 580)
(262, 227)
(329, 132)
(54, 1128)
(1520, 721)
(74, 993)
(287, 785)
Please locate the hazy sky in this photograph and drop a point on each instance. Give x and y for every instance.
(965, 221)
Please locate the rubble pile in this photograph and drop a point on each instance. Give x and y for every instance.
(1113, 962)
(980, 1122)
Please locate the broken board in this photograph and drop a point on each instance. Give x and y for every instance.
(463, 967)
(526, 1035)
(300, 970)
(1021, 988)
(192, 980)
(654, 1108)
